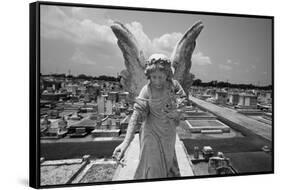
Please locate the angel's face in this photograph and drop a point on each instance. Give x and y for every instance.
(158, 79)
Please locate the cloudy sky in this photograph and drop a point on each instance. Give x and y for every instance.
(236, 49)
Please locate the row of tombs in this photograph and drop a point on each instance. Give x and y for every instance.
(75, 125)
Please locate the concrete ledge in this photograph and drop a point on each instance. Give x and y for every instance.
(184, 161)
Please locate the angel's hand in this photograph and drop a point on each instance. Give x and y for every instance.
(180, 103)
(174, 114)
(119, 151)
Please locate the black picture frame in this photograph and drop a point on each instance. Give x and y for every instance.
(34, 98)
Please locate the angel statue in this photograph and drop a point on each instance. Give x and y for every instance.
(157, 85)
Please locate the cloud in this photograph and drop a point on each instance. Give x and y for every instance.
(164, 44)
(167, 42)
(229, 61)
(74, 26)
(225, 67)
(110, 67)
(81, 58)
(83, 26)
(145, 43)
(95, 15)
(89, 32)
(253, 66)
(200, 59)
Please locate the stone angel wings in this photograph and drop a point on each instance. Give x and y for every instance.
(133, 78)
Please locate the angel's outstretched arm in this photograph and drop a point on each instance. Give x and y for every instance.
(120, 150)
(140, 111)
(131, 127)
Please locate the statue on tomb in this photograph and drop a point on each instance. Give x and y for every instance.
(158, 86)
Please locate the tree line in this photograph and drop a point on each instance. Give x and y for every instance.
(85, 77)
(222, 84)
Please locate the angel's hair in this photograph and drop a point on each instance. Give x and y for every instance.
(160, 64)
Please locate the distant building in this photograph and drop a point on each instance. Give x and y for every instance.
(195, 91)
(109, 104)
(75, 116)
(233, 98)
(72, 89)
(93, 90)
(53, 114)
(101, 103)
(82, 89)
(112, 96)
(88, 124)
(247, 100)
(211, 92)
(57, 129)
(62, 124)
(123, 96)
(108, 123)
(50, 84)
(117, 124)
(221, 97)
(86, 109)
(268, 94)
(45, 124)
(53, 96)
(268, 97)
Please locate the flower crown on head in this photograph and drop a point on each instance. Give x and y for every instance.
(158, 61)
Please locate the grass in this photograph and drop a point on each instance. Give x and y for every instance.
(52, 175)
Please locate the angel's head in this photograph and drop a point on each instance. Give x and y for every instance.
(158, 69)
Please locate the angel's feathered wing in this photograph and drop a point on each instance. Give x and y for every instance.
(181, 56)
(133, 78)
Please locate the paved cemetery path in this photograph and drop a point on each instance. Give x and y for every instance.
(259, 128)
(131, 161)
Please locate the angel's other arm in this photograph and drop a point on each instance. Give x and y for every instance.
(140, 112)
(131, 127)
